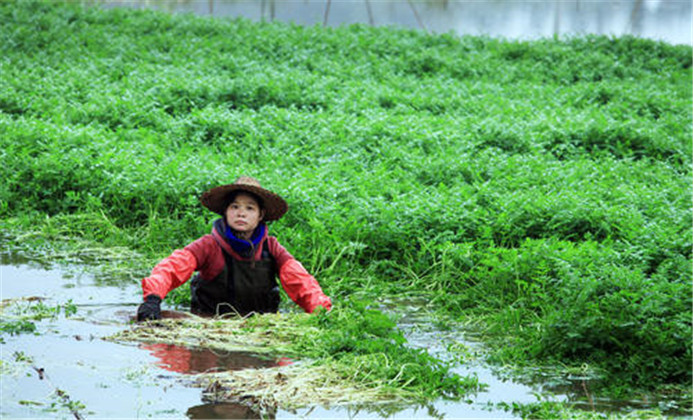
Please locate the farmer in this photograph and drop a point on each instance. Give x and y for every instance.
(237, 263)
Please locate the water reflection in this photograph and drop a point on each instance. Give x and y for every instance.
(226, 411)
(512, 384)
(72, 355)
(200, 360)
(667, 20)
(582, 391)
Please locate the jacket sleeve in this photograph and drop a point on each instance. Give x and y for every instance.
(301, 287)
(170, 273)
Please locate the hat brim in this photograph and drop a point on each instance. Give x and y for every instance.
(217, 199)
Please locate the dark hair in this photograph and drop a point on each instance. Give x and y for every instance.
(231, 197)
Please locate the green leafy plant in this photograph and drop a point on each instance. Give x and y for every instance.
(549, 199)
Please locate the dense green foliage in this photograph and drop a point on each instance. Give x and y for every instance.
(353, 331)
(543, 185)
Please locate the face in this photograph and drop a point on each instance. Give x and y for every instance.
(244, 214)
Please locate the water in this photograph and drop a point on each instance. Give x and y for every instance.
(153, 380)
(666, 20)
(110, 379)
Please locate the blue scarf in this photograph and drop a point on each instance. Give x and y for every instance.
(244, 247)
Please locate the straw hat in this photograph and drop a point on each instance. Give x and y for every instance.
(217, 199)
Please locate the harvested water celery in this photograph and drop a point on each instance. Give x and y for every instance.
(352, 354)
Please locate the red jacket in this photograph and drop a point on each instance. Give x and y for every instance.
(206, 256)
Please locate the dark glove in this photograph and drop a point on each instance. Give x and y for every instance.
(150, 309)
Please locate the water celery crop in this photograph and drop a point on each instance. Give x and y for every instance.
(543, 186)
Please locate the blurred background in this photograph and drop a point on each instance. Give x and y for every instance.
(665, 20)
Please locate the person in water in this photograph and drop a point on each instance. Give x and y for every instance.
(238, 263)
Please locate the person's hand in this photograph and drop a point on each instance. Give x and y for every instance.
(150, 309)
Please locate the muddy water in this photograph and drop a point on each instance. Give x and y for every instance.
(106, 379)
(109, 379)
(128, 380)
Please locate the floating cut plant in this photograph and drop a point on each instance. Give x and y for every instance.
(296, 386)
(350, 355)
(19, 315)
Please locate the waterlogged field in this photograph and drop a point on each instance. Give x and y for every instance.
(539, 191)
